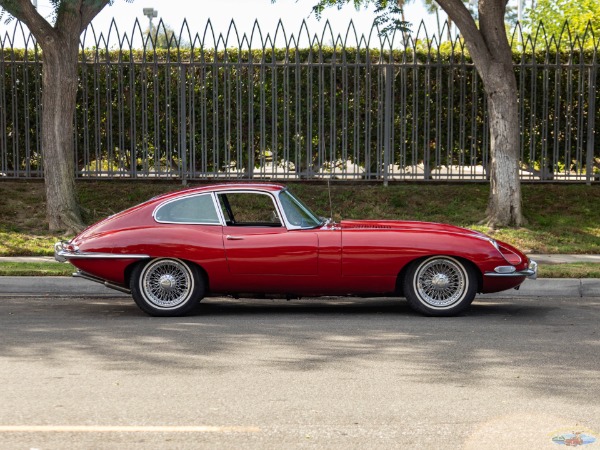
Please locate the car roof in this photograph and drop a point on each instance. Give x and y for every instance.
(264, 187)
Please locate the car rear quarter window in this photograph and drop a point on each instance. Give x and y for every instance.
(197, 209)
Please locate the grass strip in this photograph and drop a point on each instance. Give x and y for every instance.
(561, 218)
(35, 269)
(571, 270)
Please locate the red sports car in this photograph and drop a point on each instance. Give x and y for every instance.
(256, 239)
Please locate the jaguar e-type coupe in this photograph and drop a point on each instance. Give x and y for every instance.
(259, 239)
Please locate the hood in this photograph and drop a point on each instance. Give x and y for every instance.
(407, 225)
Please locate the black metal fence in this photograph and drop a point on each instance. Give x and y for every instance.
(302, 106)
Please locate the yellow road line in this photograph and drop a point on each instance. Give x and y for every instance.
(123, 429)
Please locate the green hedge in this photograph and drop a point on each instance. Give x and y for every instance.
(308, 108)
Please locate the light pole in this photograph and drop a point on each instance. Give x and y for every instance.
(150, 13)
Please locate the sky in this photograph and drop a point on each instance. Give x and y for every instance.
(242, 12)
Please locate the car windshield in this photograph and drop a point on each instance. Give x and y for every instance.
(297, 213)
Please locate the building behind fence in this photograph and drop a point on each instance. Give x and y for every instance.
(303, 107)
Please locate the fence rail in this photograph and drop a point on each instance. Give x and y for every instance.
(342, 107)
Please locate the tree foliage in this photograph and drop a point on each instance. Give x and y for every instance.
(560, 18)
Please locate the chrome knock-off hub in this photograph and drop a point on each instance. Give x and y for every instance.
(167, 282)
(440, 281)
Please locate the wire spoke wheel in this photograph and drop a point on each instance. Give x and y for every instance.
(440, 285)
(167, 283)
(441, 282)
(166, 287)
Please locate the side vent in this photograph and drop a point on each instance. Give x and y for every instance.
(369, 227)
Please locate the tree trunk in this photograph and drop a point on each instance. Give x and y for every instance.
(60, 49)
(492, 55)
(59, 91)
(504, 206)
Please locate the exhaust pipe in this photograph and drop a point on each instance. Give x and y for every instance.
(108, 284)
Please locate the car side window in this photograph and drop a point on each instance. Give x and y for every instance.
(198, 209)
(249, 209)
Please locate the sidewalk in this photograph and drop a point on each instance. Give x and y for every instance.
(564, 259)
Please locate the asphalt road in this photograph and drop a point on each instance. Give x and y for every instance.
(94, 372)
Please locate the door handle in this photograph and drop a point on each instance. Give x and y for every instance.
(234, 238)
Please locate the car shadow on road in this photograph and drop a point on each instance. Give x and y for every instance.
(224, 335)
(324, 307)
(358, 306)
(96, 307)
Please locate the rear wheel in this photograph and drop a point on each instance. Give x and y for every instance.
(166, 287)
(440, 286)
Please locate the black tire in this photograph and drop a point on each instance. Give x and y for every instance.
(166, 287)
(440, 286)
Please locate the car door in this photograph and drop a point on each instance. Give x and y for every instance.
(257, 243)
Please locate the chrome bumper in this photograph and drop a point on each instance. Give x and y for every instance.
(531, 272)
(63, 254)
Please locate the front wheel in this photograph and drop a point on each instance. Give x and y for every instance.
(166, 287)
(440, 286)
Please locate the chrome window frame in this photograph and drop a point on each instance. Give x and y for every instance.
(216, 204)
(289, 226)
(274, 199)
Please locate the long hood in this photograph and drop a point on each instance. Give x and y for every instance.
(406, 225)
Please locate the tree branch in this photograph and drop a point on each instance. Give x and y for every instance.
(89, 10)
(24, 11)
(463, 19)
(492, 26)
(67, 16)
(73, 16)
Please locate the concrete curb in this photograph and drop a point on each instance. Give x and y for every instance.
(55, 286)
(77, 287)
(553, 287)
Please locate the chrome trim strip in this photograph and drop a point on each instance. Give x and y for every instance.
(63, 255)
(92, 255)
(522, 273)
